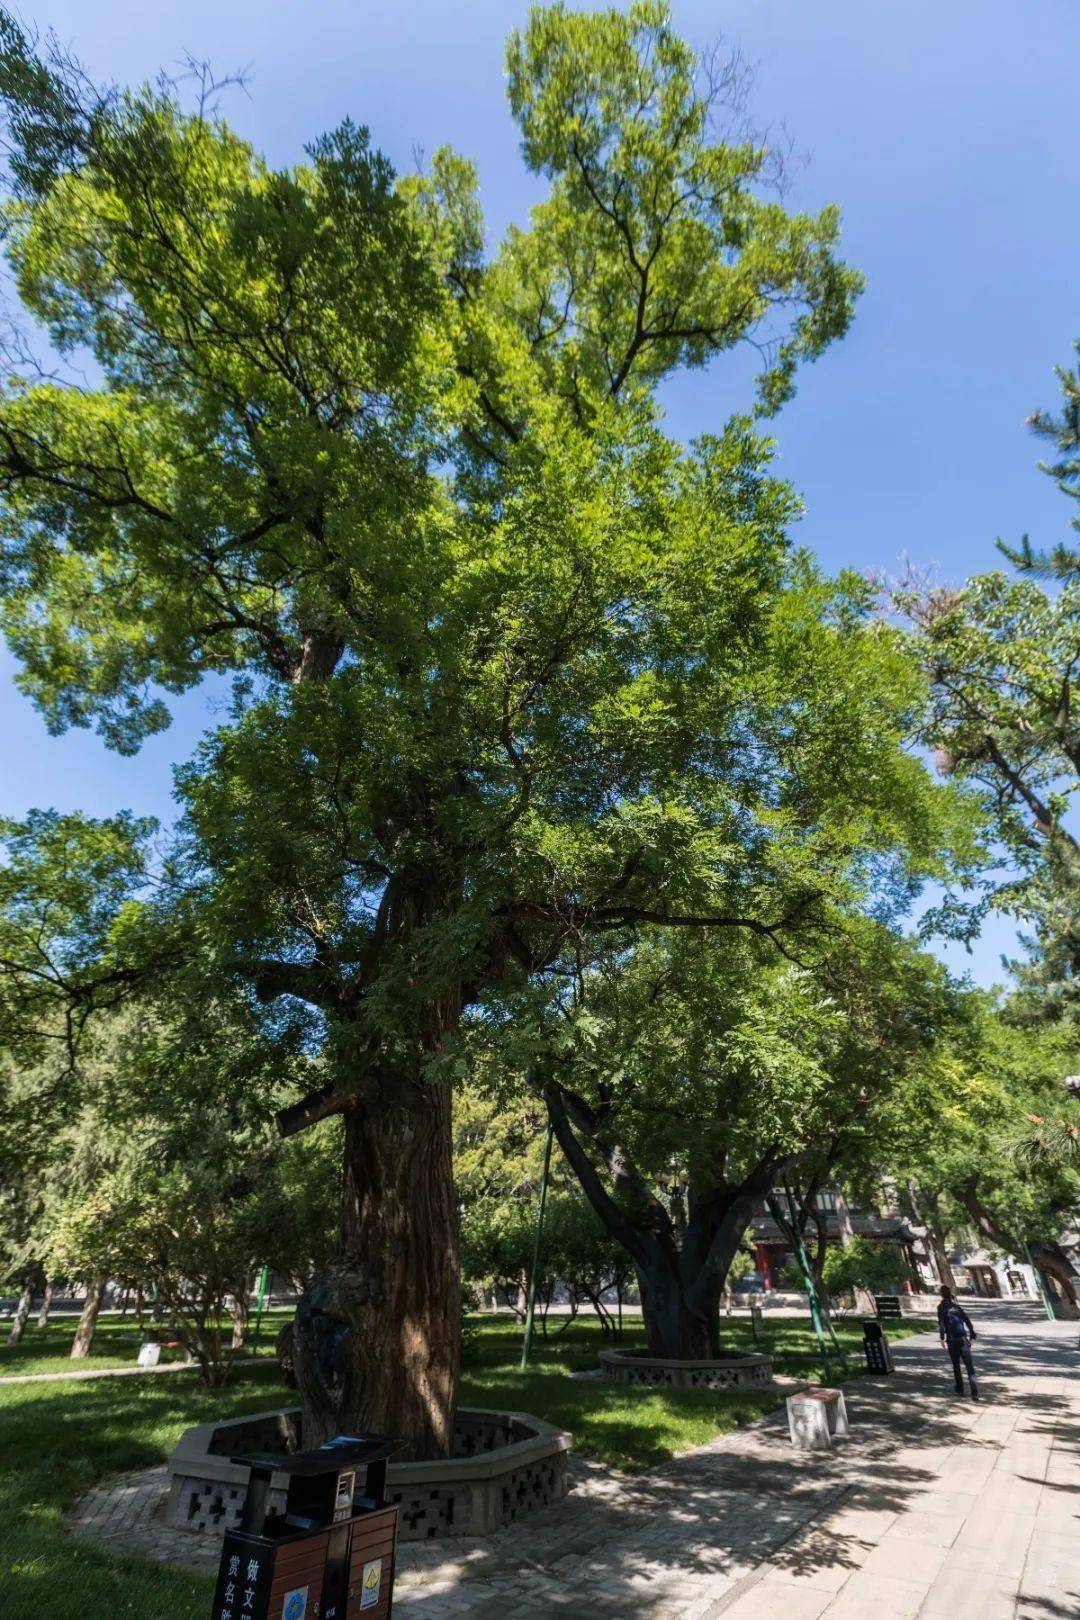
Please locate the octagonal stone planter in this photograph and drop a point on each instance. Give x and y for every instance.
(738, 1369)
(506, 1465)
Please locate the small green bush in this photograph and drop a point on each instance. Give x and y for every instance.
(879, 1267)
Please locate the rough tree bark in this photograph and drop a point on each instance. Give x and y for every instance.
(843, 1220)
(681, 1284)
(377, 1339)
(924, 1208)
(1046, 1256)
(681, 1268)
(46, 1305)
(84, 1333)
(238, 1309)
(22, 1309)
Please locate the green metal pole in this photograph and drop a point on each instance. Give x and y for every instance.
(1040, 1285)
(808, 1282)
(526, 1348)
(261, 1293)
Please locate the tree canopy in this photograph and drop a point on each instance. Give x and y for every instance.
(515, 677)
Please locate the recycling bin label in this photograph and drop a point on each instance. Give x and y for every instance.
(371, 1584)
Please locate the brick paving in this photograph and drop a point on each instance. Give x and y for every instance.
(934, 1507)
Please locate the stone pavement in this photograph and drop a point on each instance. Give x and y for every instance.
(934, 1508)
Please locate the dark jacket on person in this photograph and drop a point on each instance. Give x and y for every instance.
(947, 1313)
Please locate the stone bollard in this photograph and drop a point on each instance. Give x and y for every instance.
(815, 1418)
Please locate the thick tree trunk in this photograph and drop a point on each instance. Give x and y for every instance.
(84, 1333)
(378, 1333)
(1048, 1258)
(681, 1270)
(1053, 1263)
(238, 1309)
(843, 1220)
(22, 1312)
(927, 1217)
(681, 1288)
(940, 1257)
(672, 1327)
(46, 1305)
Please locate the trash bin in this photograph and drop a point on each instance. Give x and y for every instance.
(876, 1346)
(329, 1554)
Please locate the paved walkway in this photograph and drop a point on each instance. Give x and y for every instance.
(933, 1508)
(119, 1372)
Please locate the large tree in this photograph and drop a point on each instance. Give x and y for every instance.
(1002, 655)
(173, 1177)
(510, 668)
(982, 1086)
(688, 1080)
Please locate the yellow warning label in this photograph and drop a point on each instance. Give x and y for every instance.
(371, 1584)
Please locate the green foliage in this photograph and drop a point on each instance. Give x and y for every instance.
(159, 1164)
(515, 677)
(652, 225)
(577, 684)
(1063, 432)
(707, 1055)
(878, 1267)
(498, 1164)
(1001, 655)
(981, 1086)
(1049, 1141)
(69, 922)
(790, 1276)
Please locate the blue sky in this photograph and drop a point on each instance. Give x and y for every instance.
(945, 129)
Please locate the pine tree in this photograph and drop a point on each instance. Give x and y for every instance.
(1063, 432)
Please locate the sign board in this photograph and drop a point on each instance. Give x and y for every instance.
(371, 1584)
(243, 1588)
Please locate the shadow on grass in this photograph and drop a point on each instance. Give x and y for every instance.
(690, 1524)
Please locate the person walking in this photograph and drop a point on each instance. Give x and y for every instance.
(957, 1337)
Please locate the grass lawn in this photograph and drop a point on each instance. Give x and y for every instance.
(637, 1428)
(116, 1344)
(56, 1440)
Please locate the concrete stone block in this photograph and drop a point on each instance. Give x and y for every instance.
(816, 1418)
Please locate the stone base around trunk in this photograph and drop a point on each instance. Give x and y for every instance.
(738, 1369)
(506, 1466)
